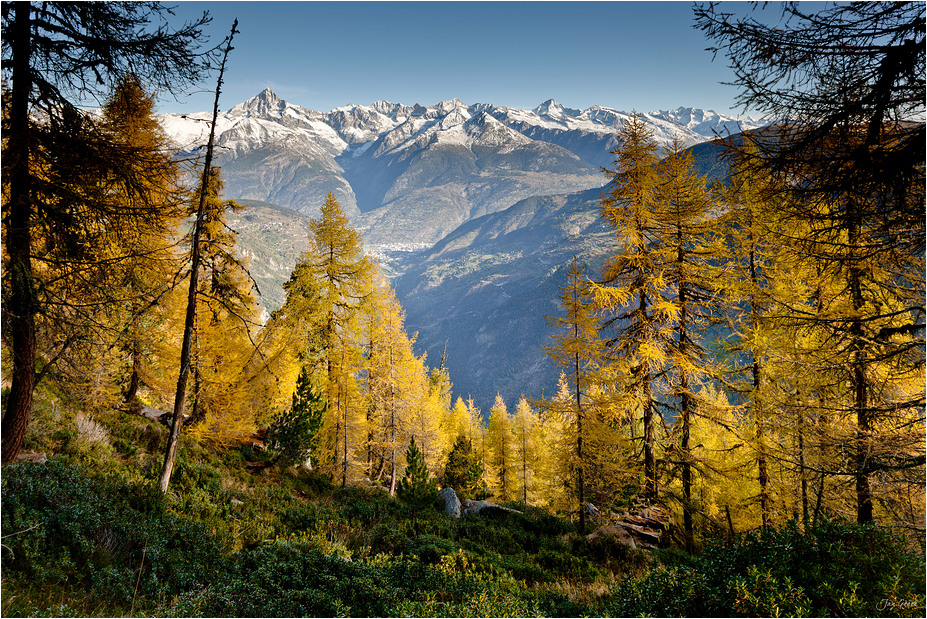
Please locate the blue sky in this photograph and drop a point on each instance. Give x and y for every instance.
(321, 55)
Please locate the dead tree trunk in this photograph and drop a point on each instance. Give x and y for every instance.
(170, 454)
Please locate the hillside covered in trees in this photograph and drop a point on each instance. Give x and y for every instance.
(738, 427)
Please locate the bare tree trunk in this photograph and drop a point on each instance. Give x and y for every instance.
(580, 473)
(802, 471)
(344, 461)
(863, 420)
(131, 394)
(392, 433)
(170, 454)
(758, 412)
(524, 465)
(650, 465)
(859, 380)
(685, 405)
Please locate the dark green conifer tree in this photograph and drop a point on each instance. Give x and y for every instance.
(463, 471)
(295, 432)
(416, 489)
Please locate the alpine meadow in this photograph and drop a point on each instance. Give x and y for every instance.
(462, 359)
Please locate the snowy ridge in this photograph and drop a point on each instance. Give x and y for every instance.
(267, 119)
(412, 174)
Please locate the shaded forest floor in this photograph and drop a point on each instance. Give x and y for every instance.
(86, 534)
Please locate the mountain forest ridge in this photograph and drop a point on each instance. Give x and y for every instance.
(473, 209)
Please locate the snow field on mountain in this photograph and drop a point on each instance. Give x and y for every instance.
(266, 118)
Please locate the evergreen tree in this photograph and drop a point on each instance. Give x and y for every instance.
(294, 433)
(464, 470)
(416, 489)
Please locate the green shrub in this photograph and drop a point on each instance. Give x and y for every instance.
(558, 604)
(67, 529)
(125, 447)
(835, 568)
(566, 565)
(388, 539)
(315, 484)
(366, 506)
(291, 580)
(429, 548)
(189, 476)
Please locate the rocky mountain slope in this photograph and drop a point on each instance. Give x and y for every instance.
(486, 289)
(410, 175)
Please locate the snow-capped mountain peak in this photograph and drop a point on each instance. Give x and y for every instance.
(395, 157)
(707, 123)
(357, 124)
(553, 109)
(445, 107)
(266, 103)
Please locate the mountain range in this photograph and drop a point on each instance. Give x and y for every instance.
(473, 210)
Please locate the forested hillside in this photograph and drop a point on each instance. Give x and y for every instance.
(737, 426)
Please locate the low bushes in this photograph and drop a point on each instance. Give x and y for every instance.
(80, 542)
(834, 569)
(66, 529)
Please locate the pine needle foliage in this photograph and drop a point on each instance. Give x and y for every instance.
(416, 489)
(464, 470)
(295, 431)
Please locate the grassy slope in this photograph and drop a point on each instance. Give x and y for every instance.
(85, 534)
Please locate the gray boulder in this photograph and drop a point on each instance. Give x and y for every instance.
(487, 509)
(451, 502)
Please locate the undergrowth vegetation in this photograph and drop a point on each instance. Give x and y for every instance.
(87, 534)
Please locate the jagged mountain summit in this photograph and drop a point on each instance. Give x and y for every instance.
(409, 175)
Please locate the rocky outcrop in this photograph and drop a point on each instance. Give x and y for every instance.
(451, 503)
(646, 526)
(162, 417)
(487, 509)
(609, 532)
(649, 525)
(455, 508)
